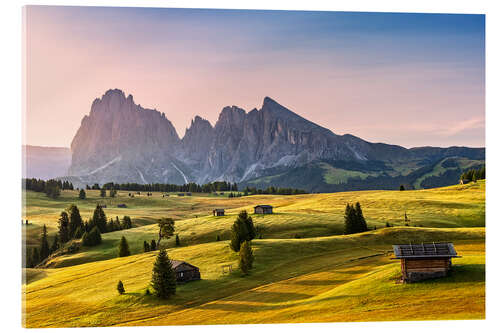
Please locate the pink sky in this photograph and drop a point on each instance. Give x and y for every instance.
(374, 86)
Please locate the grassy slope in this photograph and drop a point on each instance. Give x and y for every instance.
(439, 169)
(309, 215)
(337, 278)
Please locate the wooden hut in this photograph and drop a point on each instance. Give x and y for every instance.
(185, 272)
(218, 212)
(121, 206)
(263, 209)
(464, 181)
(424, 261)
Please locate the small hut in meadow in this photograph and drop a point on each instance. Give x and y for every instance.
(263, 209)
(424, 261)
(218, 212)
(185, 272)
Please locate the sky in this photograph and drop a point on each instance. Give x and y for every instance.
(406, 79)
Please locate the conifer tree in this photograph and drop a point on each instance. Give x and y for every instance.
(163, 281)
(349, 220)
(360, 219)
(55, 244)
(242, 230)
(146, 246)
(246, 257)
(177, 240)
(153, 245)
(82, 195)
(99, 219)
(44, 245)
(75, 220)
(123, 249)
(79, 232)
(126, 222)
(120, 287)
(64, 227)
(166, 229)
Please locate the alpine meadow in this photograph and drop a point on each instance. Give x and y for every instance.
(356, 193)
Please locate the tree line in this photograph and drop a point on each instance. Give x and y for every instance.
(474, 174)
(52, 188)
(158, 187)
(273, 190)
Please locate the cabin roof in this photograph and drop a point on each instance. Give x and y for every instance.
(264, 206)
(177, 263)
(424, 250)
(219, 209)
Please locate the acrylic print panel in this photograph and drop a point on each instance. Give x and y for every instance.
(188, 166)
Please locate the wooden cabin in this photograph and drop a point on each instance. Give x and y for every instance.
(180, 194)
(424, 261)
(218, 212)
(263, 209)
(121, 206)
(185, 272)
(464, 181)
(189, 194)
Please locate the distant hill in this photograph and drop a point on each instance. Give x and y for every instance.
(45, 162)
(120, 141)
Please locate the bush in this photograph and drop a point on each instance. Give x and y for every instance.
(120, 287)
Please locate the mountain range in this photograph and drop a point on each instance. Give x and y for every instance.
(120, 141)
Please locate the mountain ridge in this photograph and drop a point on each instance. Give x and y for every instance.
(120, 141)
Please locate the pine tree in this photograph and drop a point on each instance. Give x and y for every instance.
(126, 222)
(75, 220)
(99, 219)
(218, 238)
(164, 280)
(153, 245)
(177, 241)
(246, 257)
(120, 287)
(103, 193)
(64, 227)
(166, 229)
(146, 247)
(44, 245)
(349, 220)
(55, 244)
(82, 195)
(242, 230)
(360, 219)
(401, 188)
(123, 249)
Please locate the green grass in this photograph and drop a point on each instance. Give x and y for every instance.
(334, 175)
(336, 278)
(310, 215)
(322, 277)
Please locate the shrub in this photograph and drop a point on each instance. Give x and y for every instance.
(120, 287)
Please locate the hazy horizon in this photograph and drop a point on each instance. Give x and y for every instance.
(405, 79)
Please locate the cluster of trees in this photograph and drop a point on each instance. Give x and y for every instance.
(474, 175)
(273, 190)
(52, 188)
(242, 232)
(37, 254)
(157, 187)
(234, 195)
(149, 247)
(354, 220)
(71, 225)
(39, 185)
